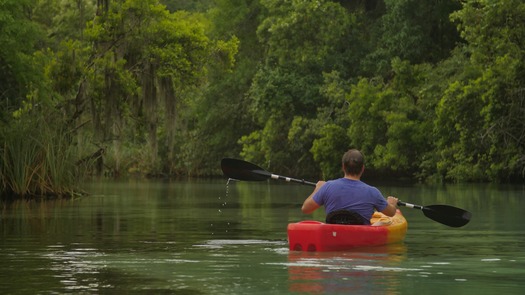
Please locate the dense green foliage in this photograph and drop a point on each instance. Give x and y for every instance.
(430, 90)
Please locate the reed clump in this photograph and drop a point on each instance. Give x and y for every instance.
(36, 159)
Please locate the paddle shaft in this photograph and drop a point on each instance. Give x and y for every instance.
(408, 205)
(242, 170)
(289, 179)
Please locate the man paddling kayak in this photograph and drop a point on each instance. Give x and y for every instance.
(349, 200)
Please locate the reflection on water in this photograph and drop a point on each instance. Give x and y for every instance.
(219, 244)
(363, 271)
(206, 237)
(74, 268)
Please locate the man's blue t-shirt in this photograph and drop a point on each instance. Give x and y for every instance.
(352, 195)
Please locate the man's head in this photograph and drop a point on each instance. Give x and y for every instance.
(353, 162)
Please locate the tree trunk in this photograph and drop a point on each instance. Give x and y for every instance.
(150, 108)
(170, 103)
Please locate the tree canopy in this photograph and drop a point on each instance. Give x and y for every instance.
(427, 90)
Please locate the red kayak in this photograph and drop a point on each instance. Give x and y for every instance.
(318, 236)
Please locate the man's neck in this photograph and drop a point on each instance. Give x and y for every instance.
(353, 177)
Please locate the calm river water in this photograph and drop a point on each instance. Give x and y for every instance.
(207, 237)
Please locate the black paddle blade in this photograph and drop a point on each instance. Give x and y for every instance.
(447, 215)
(242, 170)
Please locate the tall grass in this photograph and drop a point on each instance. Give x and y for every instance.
(36, 159)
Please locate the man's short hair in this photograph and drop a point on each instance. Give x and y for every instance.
(353, 162)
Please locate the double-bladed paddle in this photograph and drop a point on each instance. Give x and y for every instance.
(242, 170)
